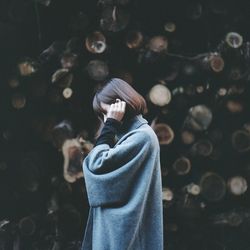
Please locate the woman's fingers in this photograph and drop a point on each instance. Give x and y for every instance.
(118, 105)
(117, 110)
(123, 104)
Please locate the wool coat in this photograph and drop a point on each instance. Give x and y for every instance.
(124, 191)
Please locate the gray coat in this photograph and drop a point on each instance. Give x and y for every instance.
(124, 190)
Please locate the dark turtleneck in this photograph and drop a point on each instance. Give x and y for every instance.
(110, 129)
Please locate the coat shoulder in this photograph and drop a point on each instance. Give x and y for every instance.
(142, 135)
(148, 133)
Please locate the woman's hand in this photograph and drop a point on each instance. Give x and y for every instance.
(117, 110)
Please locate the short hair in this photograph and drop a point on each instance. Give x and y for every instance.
(118, 88)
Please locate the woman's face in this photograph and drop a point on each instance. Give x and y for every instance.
(106, 108)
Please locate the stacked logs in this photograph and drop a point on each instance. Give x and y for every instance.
(197, 105)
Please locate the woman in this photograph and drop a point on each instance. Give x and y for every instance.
(122, 175)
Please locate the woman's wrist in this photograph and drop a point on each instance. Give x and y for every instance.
(113, 122)
(110, 129)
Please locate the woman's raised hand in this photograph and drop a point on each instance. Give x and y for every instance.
(117, 110)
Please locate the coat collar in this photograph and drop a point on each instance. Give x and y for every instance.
(131, 124)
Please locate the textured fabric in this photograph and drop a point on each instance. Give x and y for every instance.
(125, 191)
(108, 133)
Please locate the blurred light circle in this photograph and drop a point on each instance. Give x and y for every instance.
(160, 95)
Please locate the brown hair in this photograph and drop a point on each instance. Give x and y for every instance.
(118, 88)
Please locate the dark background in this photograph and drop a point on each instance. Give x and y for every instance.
(27, 28)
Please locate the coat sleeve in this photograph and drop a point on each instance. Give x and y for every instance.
(110, 173)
